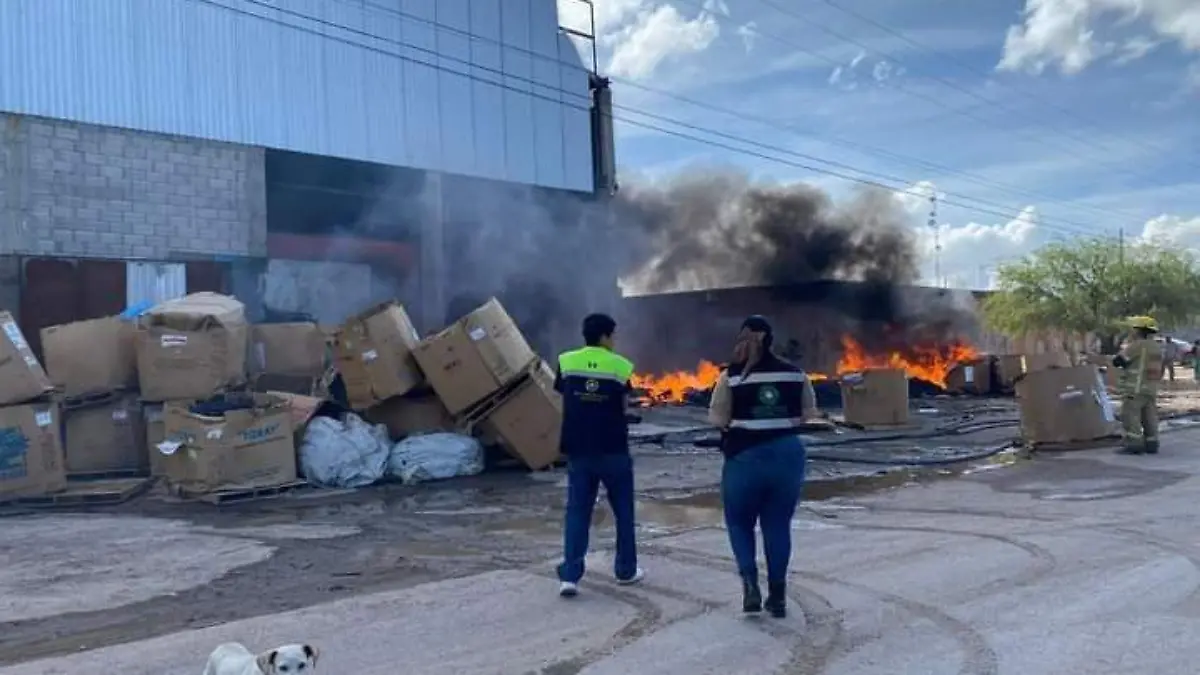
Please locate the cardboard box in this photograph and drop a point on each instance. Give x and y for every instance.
(411, 414)
(1065, 405)
(374, 353)
(1012, 367)
(1109, 373)
(971, 377)
(91, 357)
(875, 398)
(288, 350)
(105, 436)
(529, 422)
(192, 348)
(152, 416)
(241, 448)
(475, 357)
(21, 376)
(31, 454)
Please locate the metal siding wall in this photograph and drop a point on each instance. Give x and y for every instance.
(474, 87)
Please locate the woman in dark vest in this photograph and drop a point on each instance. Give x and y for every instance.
(759, 403)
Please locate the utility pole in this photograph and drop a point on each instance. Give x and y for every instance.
(937, 240)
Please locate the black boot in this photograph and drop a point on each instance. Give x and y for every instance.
(777, 599)
(1131, 449)
(1152, 447)
(751, 596)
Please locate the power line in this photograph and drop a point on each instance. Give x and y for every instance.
(791, 128)
(975, 71)
(795, 164)
(1041, 140)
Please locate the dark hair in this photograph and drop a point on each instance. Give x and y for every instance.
(596, 327)
(758, 324)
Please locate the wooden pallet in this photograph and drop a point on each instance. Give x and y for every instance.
(237, 496)
(116, 474)
(1093, 444)
(97, 493)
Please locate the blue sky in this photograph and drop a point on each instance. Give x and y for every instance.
(1033, 120)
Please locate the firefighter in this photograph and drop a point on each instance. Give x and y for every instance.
(759, 402)
(594, 382)
(1141, 364)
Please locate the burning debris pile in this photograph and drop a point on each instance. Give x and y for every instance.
(928, 368)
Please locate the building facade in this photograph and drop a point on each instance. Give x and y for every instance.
(298, 152)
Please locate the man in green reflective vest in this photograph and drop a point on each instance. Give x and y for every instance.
(594, 382)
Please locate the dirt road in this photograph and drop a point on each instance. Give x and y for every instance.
(1080, 563)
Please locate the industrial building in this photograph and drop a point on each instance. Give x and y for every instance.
(308, 155)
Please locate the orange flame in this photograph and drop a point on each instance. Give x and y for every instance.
(931, 363)
(674, 387)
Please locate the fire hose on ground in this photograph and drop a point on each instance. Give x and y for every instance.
(947, 431)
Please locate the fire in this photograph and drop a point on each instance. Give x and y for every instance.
(931, 363)
(674, 387)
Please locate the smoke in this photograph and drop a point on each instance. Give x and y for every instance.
(552, 257)
(719, 229)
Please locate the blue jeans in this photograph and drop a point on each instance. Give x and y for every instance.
(584, 476)
(760, 486)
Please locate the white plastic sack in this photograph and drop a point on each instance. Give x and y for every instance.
(417, 459)
(344, 454)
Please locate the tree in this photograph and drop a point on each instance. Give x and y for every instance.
(1090, 285)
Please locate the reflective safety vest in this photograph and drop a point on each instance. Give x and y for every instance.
(594, 382)
(768, 403)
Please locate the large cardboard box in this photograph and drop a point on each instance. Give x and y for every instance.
(1012, 367)
(287, 349)
(374, 353)
(192, 348)
(21, 376)
(31, 454)
(529, 422)
(875, 398)
(105, 436)
(89, 357)
(971, 377)
(1109, 373)
(152, 415)
(1065, 405)
(475, 357)
(411, 414)
(240, 448)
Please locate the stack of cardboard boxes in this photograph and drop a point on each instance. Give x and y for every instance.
(31, 454)
(478, 374)
(192, 356)
(93, 367)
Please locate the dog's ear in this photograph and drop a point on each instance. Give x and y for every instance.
(266, 661)
(312, 653)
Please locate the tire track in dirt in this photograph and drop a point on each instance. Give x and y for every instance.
(811, 648)
(649, 619)
(1161, 544)
(1043, 561)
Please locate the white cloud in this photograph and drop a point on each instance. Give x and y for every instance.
(1067, 33)
(846, 76)
(657, 34)
(749, 34)
(972, 253)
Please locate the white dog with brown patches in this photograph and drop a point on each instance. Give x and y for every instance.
(234, 659)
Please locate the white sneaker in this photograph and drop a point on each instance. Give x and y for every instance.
(635, 579)
(567, 589)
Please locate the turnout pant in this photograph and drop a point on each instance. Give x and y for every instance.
(760, 486)
(584, 477)
(1139, 420)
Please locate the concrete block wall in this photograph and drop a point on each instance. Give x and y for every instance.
(70, 189)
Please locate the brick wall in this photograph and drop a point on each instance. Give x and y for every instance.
(70, 189)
